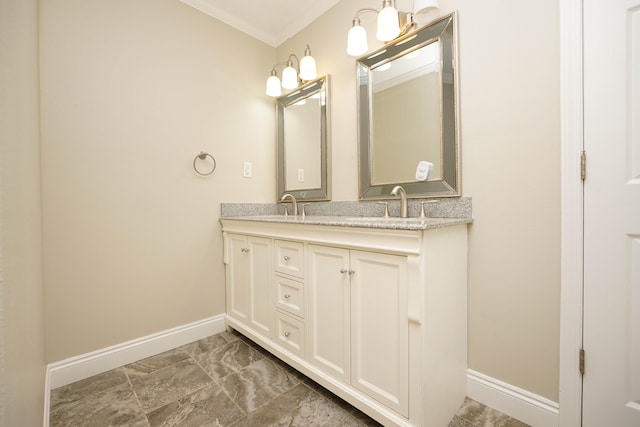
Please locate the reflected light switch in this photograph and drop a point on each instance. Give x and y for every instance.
(300, 175)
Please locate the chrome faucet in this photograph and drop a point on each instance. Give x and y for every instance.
(404, 209)
(293, 200)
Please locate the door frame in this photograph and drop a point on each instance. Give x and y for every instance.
(572, 211)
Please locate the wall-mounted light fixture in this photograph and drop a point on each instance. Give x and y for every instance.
(292, 77)
(391, 24)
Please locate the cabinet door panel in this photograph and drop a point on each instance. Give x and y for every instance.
(380, 328)
(328, 314)
(261, 273)
(238, 290)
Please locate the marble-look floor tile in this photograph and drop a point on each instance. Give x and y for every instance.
(151, 364)
(206, 407)
(300, 406)
(169, 384)
(212, 343)
(480, 415)
(361, 418)
(257, 384)
(116, 406)
(228, 359)
(456, 421)
(95, 384)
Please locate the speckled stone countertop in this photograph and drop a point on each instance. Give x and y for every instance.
(364, 214)
(390, 223)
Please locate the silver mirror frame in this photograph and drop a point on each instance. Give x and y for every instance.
(323, 193)
(444, 30)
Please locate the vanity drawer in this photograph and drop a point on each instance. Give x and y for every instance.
(289, 258)
(290, 333)
(289, 296)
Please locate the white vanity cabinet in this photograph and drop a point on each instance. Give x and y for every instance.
(249, 270)
(375, 315)
(358, 321)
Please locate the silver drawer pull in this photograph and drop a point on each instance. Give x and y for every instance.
(287, 258)
(286, 296)
(244, 250)
(286, 334)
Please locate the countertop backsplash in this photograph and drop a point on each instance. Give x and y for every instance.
(459, 207)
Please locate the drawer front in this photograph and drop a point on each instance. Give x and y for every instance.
(289, 296)
(290, 333)
(289, 258)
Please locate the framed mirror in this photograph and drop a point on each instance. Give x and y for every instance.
(303, 142)
(407, 114)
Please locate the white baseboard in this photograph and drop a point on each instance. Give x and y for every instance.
(520, 404)
(84, 366)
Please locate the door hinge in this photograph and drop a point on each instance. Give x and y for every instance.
(581, 361)
(583, 165)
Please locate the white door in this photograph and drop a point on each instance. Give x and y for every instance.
(611, 384)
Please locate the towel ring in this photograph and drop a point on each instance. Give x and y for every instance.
(202, 156)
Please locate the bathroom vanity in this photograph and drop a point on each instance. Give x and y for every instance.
(373, 309)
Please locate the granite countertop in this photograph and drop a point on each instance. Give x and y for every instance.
(390, 223)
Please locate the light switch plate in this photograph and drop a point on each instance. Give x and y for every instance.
(247, 170)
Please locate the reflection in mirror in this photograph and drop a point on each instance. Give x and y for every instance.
(406, 136)
(303, 142)
(407, 98)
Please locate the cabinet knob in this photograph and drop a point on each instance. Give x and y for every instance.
(286, 334)
(244, 250)
(286, 296)
(287, 258)
(344, 270)
(351, 272)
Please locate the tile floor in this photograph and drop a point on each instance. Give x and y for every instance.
(222, 380)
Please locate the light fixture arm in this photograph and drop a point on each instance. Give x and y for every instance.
(289, 62)
(273, 70)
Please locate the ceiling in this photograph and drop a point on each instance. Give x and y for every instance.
(272, 21)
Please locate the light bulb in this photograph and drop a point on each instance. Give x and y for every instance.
(357, 39)
(308, 66)
(289, 77)
(273, 85)
(425, 10)
(388, 23)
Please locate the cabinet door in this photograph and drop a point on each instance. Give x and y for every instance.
(249, 282)
(328, 310)
(380, 328)
(237, 277)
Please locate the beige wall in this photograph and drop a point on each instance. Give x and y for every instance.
(509, 104)
(22, 353)
(131, 92)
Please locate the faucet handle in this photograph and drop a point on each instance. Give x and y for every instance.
(386, 208)
(424, 202)
(301, 206)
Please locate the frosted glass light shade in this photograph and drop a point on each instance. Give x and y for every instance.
(425, 10)
(273, 86)
(388, 24)
(289, 78)
(308, 68)
(357, 40)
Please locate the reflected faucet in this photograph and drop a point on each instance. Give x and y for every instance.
(293, 200)
(399, 191)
